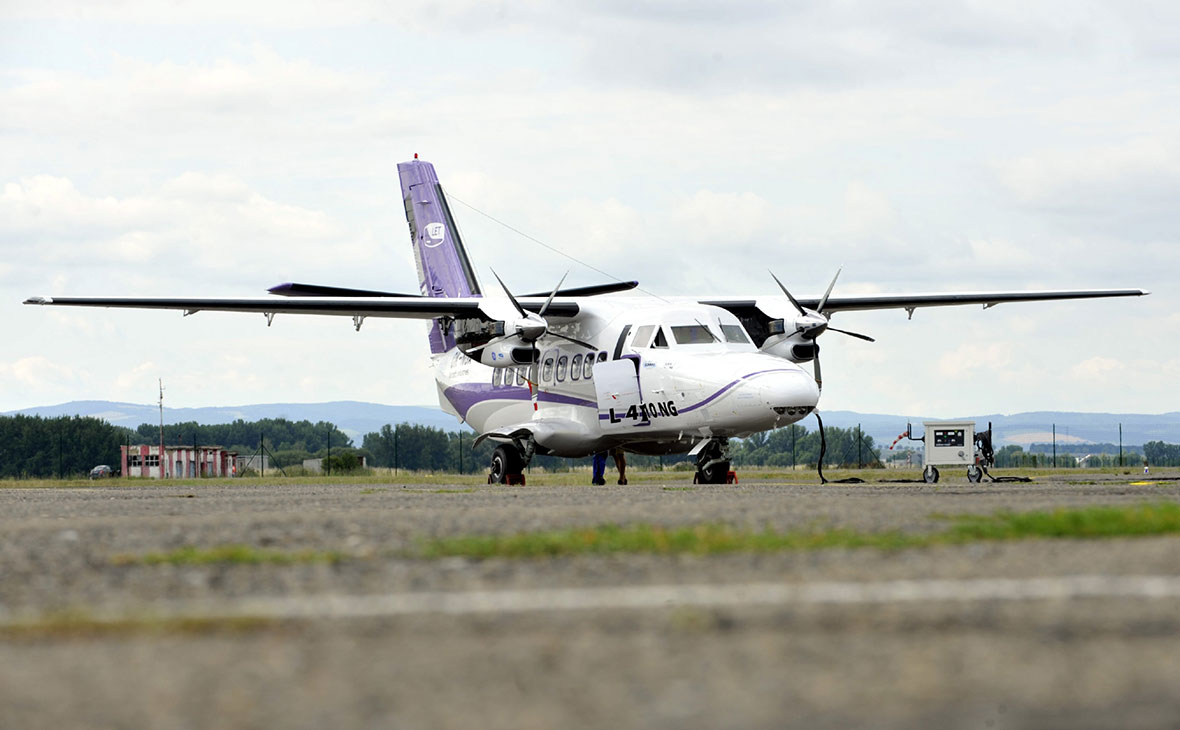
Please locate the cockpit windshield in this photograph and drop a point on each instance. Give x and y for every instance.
(734, 333)
(692, 334)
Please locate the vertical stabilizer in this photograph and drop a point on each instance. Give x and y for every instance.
(443, 267)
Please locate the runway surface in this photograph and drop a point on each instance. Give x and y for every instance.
(1057, 633)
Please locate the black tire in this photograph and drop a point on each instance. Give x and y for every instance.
(715, 474)
(505, 461)
(974, 474)
(930, 474)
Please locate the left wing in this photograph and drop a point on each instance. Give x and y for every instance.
(397, 307)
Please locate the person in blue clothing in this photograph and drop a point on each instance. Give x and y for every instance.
(598, 477)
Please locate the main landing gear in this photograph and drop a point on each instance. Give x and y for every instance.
(713, 464)
(509, 461)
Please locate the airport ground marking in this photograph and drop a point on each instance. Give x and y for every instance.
(256, 611)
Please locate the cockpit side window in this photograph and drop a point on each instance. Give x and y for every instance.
(643, 336)
(661, 340)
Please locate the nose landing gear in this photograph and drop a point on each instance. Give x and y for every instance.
(713, 463)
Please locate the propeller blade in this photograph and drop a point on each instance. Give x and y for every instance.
(823, 302)
(798, 307)
(587, 345)
(866, 338)
(511, 298)
(553, 294)
(534, 379)
(819, 378)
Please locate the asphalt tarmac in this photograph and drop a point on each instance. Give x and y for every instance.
(1048, 633)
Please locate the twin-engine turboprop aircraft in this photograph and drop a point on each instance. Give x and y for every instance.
(569, 372)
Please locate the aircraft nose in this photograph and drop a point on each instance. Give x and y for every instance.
(789, 393)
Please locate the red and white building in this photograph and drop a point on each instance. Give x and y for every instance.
(179, 462)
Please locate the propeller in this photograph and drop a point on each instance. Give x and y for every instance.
(813, 323)
(532, 327)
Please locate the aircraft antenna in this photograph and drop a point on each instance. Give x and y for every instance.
(539, 242)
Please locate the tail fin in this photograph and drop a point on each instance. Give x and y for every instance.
(443, 267)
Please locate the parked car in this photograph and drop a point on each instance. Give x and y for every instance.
(102, 471)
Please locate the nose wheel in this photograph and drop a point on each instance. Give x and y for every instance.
(713, 463)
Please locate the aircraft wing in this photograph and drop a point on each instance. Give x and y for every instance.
(915, 301)
(396, 307)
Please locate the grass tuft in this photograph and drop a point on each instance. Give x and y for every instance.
(230, 555)
(709, 539)
(1085, 522)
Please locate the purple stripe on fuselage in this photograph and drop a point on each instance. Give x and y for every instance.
(465, 397)
(727, 386)
(721, 391)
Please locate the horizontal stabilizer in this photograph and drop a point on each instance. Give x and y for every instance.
(291, 289)
(590, 291)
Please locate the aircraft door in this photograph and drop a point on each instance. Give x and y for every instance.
(620, 401)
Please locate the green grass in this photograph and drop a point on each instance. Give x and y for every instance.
(1161, 518)
(231, 555)
(711, 539)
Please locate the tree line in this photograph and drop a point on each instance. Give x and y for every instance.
(65, 446)
(279, 434)
(37, 447)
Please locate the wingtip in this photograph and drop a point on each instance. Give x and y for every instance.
(39, 300)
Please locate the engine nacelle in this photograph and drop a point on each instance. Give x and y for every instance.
(505, 352)
(793, 346)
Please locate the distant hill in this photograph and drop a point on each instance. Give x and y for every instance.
(357, 418)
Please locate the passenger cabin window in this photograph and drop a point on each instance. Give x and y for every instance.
(602, 356)
(588, 367)
(734, 333)
(520, 376)
(661, 340)
(497, 373)
(643, 336)
(547, 369)
(576, 367)
(692, 334)
(562, 363)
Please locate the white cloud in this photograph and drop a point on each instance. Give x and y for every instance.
(221, 148)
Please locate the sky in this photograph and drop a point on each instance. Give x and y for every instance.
(218, 148)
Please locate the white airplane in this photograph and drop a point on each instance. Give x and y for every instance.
(572, 373)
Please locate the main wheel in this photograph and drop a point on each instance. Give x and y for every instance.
(505, 461)
(974, 474)
(930, 474)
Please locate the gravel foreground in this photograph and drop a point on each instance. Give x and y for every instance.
(85, 632)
